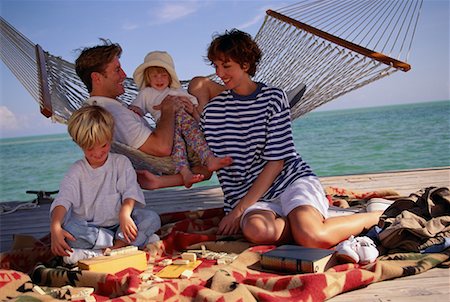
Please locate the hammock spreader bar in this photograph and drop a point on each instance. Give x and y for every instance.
(46, 101)
(344, 43)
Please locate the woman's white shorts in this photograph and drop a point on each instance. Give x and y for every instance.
(304, 191)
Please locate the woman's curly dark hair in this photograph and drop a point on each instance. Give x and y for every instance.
(237, 46)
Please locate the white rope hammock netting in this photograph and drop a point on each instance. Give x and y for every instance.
(331, 46)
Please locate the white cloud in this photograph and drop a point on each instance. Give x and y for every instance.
(26, 124)
(173, 11)
(8, 121)
(130, 26)
(255, 20)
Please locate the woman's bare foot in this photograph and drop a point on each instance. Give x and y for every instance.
(216, 163)
(189, 178)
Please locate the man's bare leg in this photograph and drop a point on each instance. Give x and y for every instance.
(150, 181)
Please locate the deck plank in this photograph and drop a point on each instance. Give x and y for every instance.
(432, 285)
(36, 222)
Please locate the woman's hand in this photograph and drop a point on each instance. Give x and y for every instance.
(186, 104)
(230, 224)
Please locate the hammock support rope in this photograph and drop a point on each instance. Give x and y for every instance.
(317, 50)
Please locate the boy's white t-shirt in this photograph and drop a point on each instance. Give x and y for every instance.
(149, 97)
(130, 128)
(96, 195)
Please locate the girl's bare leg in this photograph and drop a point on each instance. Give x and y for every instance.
(216, 163)
(190, 178)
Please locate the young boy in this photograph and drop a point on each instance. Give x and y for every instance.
(156, 79)
(99, 68)
(95, 206)
(271, 194)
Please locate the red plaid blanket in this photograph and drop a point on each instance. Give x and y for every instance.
(242, 280)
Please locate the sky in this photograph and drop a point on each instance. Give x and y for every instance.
(184, 29)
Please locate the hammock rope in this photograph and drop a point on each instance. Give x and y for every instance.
(330, 46)
(337, 47)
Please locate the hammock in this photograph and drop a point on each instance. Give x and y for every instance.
(337, 47)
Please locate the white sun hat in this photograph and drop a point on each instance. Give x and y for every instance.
(160, 59)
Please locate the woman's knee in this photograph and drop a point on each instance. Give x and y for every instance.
(258, 229)
(197, 83)
(204, 88)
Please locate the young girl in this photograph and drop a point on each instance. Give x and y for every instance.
(271, 194)
(95, 207)
(156, 78)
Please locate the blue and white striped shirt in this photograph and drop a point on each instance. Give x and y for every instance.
(253, 130)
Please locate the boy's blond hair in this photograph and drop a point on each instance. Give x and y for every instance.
(90, 125)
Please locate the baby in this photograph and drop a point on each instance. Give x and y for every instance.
(156, 78)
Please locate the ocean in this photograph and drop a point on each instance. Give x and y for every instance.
(339, 142)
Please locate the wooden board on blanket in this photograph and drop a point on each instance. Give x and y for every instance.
(175, 270)
(116, 263)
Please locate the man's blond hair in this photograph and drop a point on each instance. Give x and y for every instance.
(90, 125)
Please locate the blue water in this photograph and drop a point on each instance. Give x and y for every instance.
(338, 142)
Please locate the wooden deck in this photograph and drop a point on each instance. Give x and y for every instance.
(434, 284)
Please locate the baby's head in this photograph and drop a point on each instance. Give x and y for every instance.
(91, 125)
(157, 77)
(156, 63)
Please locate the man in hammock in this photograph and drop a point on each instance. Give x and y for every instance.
(100, 70)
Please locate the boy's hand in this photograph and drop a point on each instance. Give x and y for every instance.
(128, 228)
(59, 245)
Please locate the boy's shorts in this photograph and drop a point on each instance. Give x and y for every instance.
(305, 191)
